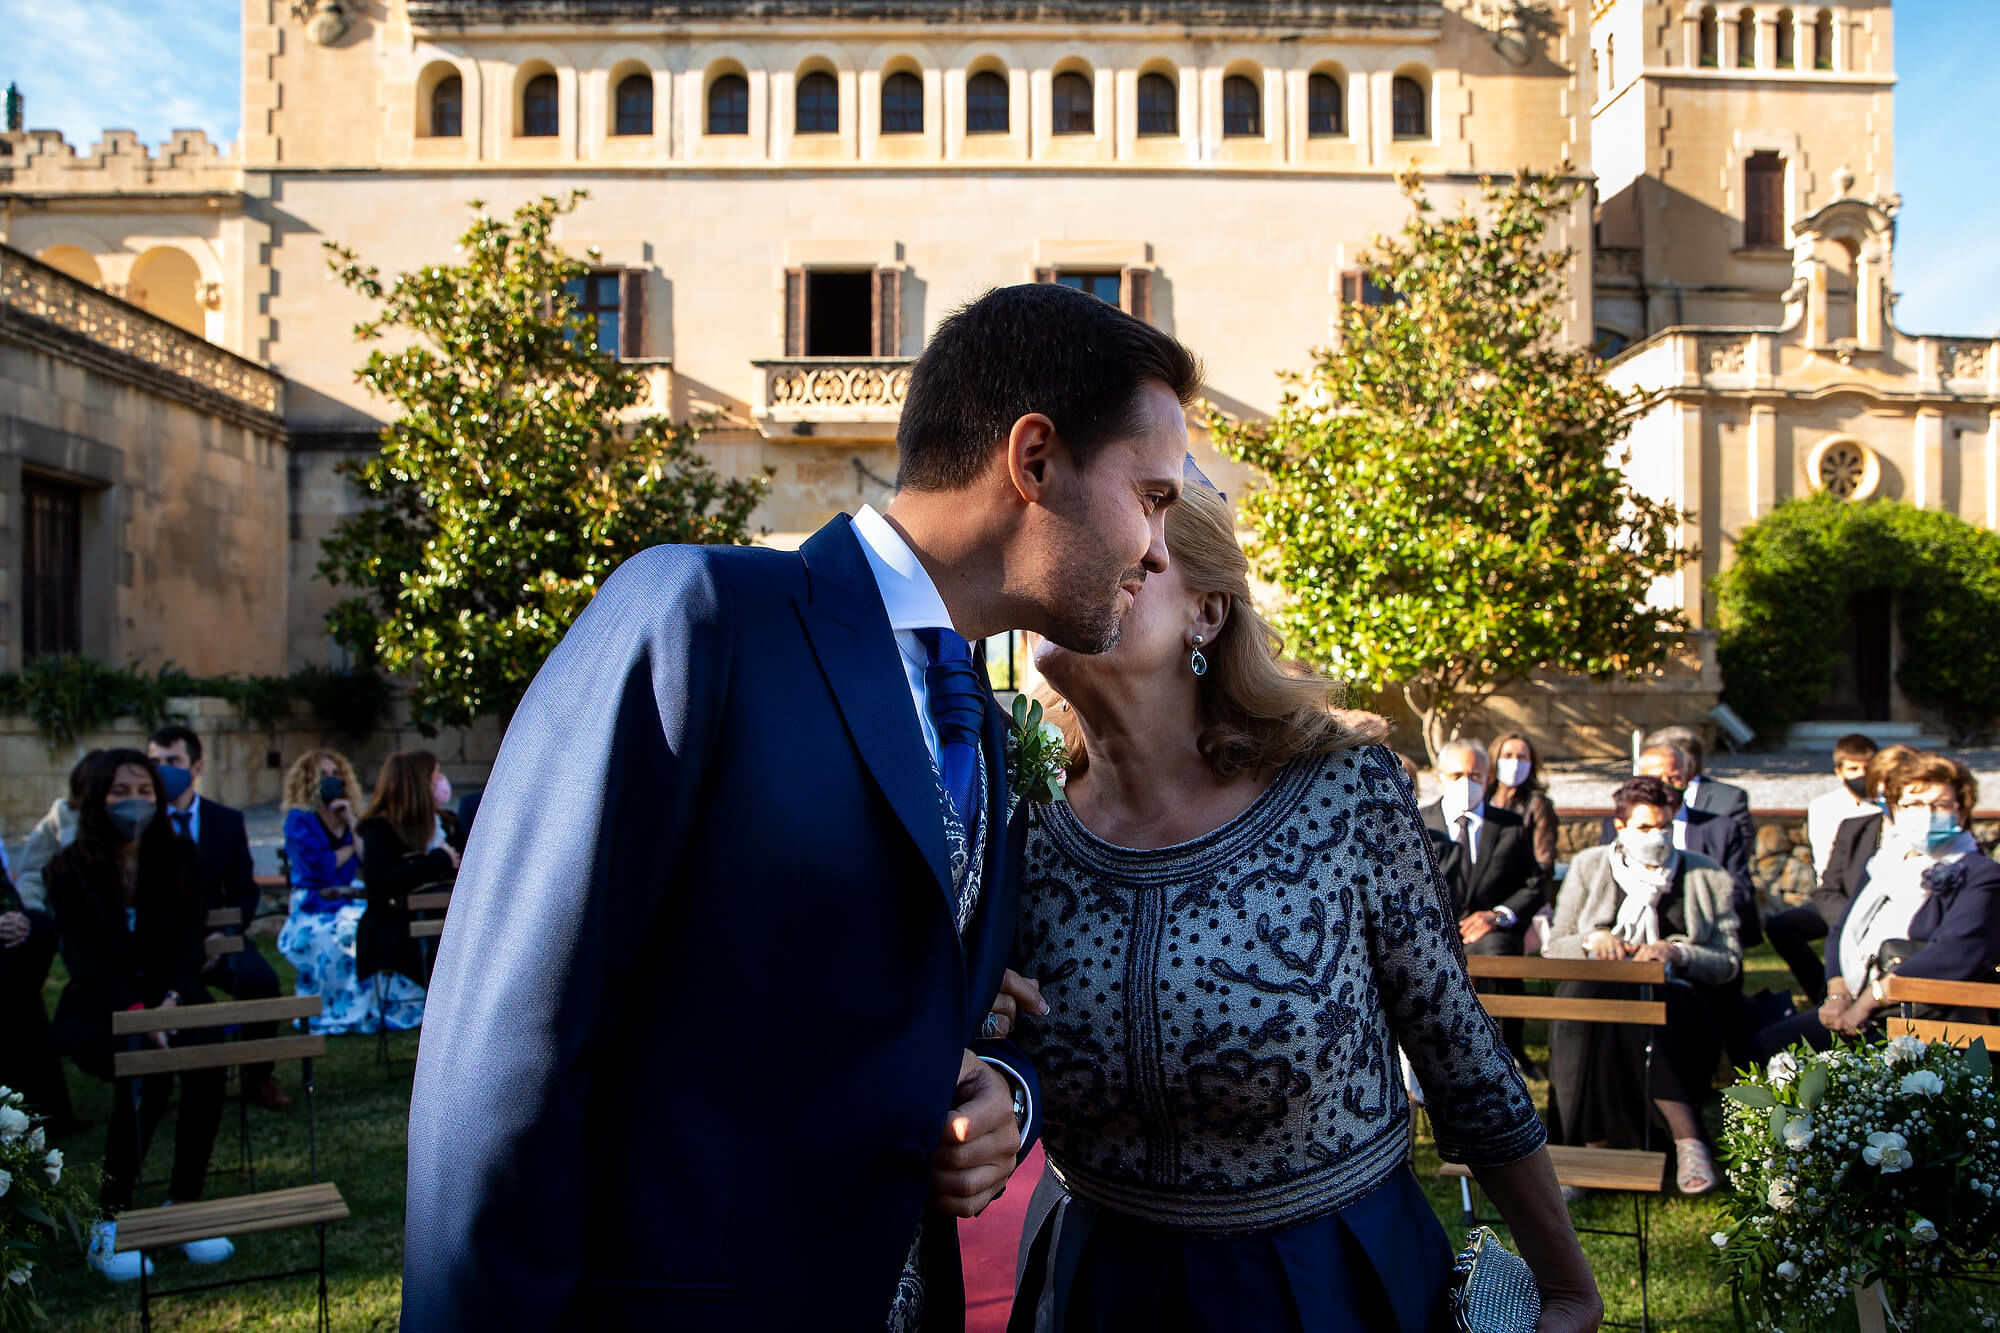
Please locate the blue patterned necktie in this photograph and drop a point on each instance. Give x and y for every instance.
(958, 709)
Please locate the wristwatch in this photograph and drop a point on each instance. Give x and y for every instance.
(1020, 1108)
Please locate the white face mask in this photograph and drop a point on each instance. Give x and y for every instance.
(1461, 794)
(1649, 847)
(1512, 772)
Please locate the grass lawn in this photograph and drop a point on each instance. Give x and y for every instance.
(361, 1118)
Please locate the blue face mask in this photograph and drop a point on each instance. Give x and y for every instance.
(175, 782)
(1925, 829)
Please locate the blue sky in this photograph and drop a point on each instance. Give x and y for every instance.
(158, 65)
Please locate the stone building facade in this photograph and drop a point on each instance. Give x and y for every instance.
(786, 196)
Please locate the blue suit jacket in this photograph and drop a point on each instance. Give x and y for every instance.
(700, 1005)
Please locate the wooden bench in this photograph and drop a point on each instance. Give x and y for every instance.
(424, 900)
(1635, 1171)
(438, 901)
(1908, 991)
(315, 1204)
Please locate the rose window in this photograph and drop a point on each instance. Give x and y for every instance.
(1843, 467)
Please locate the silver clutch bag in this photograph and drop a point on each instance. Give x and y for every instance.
(1492, 1290)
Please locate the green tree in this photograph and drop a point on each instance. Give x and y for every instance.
(1442, 504)
(510, 485)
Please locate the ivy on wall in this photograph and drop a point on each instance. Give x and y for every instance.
(68, 696)
(1784, 600)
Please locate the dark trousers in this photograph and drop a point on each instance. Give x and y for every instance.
(1794, 933)
(132, 1126)
(28, 1058)
(247, 976)
(1505, 943)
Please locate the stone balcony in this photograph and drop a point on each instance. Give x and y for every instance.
(656, 387)
(833, 398)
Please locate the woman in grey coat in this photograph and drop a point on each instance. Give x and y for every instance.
(1640, 899)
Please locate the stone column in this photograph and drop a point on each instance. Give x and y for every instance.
(1993, 469)
(1760, 460)
(1927, 459)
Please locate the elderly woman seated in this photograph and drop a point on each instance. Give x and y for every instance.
(1926, 904)
(1639, 899)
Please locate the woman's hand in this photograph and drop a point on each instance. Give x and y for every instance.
(1833, 1013)
(159, 1039)
(1853, 1019)
(14, 927)
(342, 810)
(1018, 995)
(1605, 946)
(451, 852)
(1659, 951)
(1570, 1312)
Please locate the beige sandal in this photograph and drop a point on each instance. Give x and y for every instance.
(1695, 1173)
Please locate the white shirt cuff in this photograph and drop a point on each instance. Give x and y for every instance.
(1020, 1084)
(1506, 916)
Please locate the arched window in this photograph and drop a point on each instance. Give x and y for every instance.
(1074, 113)
(902, 104)
(634, 105)
(448, 108)
(1159, 107)
(986, 110)
(729, 105)
(1823, 40)
(541, 117)
(1746, 39)
(1786, 56)
(1326, 117)
(1409, 109)
(1711, 40)
(1242, 109)
(816, 106)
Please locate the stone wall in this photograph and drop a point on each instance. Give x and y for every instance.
(244, 764)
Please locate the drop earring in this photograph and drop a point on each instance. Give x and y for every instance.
(1197, 661)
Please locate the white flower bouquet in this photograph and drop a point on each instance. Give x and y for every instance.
(35, 1191)
(1863, 1164)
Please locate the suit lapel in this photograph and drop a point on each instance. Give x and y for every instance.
(849, 629)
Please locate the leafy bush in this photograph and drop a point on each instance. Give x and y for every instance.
(68, 696)
(1783, 599)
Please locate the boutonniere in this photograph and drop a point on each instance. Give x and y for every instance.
(1037, 759)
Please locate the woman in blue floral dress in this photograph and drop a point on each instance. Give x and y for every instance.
(328, 901)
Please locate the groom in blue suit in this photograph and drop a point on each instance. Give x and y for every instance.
(702, 1050)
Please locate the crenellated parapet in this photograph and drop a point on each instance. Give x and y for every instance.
(42, 162)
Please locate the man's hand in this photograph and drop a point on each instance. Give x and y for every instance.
(1478, 926)
(1018, 995)
(1659, 951)
(14, 927)
(976, 1151)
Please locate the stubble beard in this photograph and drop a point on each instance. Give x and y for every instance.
(1082, 623)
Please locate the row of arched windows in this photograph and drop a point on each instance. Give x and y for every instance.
(1784, 54)
(988, 110)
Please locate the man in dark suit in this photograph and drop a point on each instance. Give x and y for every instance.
(1488, 861)
(702, 1049)
(228, 879)
(1705, 833)
(1793, 932)
(1705, 794)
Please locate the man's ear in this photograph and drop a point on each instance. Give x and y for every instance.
(1034, 457)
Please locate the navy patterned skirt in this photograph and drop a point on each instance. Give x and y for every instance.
(1378, 1264)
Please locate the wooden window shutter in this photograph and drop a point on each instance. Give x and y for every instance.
(888, 312)
(1350, 287)
(1138, 294)
(1764, 200)
(632, 314)
(1045, 275)
(795, 312)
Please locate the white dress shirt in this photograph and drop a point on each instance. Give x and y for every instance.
(1474, 818)
(1824, 816)
(912, 602)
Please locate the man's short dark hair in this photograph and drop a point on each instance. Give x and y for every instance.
(1643, 791)
(174, 731)
(1854, 745)
(1039, 347)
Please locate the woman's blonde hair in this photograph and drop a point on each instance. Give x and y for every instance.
(302, 779)
(1259, 711)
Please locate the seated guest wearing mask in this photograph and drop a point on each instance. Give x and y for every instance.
(228, 880)
(319, 934)
(1488, 863)
(1706, 794)
(127, 901)
(1517, 786)
(1849, 820)
(28, 1059)
(404, 847)
(1640, 898)
(1926, 904)
(1716, 837)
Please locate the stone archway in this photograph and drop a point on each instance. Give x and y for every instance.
(74, 260)
(166, 281)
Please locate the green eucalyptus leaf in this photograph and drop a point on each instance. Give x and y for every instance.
(1812, 1086)
(1751, 1094)
(1021, 712)
(1977, 1061)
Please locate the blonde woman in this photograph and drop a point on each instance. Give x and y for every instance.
(327, 903)
(1234, 920)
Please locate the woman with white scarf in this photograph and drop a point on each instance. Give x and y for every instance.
(1927, 905)
(1639, 899)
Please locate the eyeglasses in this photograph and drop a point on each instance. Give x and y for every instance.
(1944, 805)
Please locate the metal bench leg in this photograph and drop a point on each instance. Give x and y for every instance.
(325, 1319)
(1645, 1282)
(145, 1297)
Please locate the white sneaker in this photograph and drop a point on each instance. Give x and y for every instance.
(117, 1267)
(211, 1251)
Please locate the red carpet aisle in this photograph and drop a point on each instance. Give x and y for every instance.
(988, 1245)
